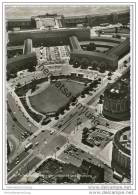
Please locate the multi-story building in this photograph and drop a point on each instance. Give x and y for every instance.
(121, 50)
(117, 99)
(121, 153)
(27, 23)
(99, 61)
(50, 37)
(27, 46)
(19, 63)
(74, 43)
(94, 59)
(97, 19)
(8, 148)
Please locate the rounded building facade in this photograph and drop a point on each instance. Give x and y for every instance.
(121, 152)
(117, 101)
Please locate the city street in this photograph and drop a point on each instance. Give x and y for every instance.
(87, 54)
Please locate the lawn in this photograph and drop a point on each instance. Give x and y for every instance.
(51, 99)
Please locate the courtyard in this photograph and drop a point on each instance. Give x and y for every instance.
(52, 98)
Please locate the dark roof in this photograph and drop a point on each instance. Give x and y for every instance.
(14, 47)
(87, 165)
(71, 30)
(74, 43)
(27, 46)
(21, 62)
(106, 39)
(93, 53)
(18, 19)
(99, 14)
(120, 49)
(117, 138)
(21, 57)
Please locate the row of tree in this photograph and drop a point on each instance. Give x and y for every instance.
(84, 63)
(72, 101)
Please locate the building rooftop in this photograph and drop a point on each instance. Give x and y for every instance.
(27, 46)
(21, 57)
(120, 49)
(74, 43)
(94, 15)
(123, 140)
(18, 19)
(93, 53)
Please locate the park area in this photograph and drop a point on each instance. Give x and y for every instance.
(52, 98)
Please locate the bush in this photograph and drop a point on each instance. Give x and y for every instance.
(35, 116)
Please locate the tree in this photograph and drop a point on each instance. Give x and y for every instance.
(31, 69)
(101, 97)
(33, 87)
(118, 36)
(99, 33)
(71, 61)
(102, 67)
(85, 130)
(109, 74)
(99, 79)
(91, 47)
(100, 101)
(84, 63)
(83, 95)
(18, 85)
(94, 64)
(107, 124)
(76, 65)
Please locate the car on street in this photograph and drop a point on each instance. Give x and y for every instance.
(51, 132)
(45, 142)
(17, 162)
(60, 125)
(37, 143)
(57, 148)
(43, 130)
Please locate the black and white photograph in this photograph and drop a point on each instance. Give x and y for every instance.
(69, 87)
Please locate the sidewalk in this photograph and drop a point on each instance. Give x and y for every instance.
(23, 109)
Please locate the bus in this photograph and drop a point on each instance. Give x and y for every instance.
(118, 176)
(28, 146)
(104, 24)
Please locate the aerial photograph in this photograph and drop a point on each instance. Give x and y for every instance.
(68, 101)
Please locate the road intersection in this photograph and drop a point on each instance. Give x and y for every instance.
(44, 142)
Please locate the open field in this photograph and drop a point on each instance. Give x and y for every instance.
(52, 98)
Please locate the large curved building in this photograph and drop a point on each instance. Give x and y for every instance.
(8, 148)
(121, 50)
(117, 100)
(121, 152)
(98, 60)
